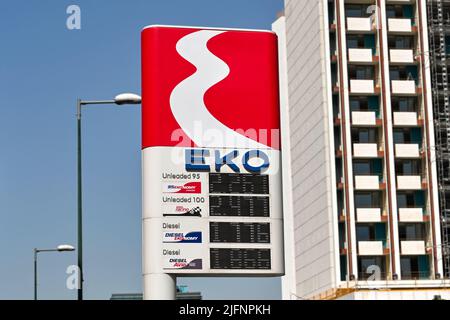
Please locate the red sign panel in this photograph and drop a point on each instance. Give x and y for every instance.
(209, 88)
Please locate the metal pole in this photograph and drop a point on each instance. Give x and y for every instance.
(35, 273)
(80, 203)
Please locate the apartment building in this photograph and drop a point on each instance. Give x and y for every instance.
(439, 40)
(364, 200)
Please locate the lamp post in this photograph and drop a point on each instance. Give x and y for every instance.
(61, 248)
(121, 99)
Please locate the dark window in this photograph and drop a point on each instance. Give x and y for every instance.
(415, 267)
(368, 265)
(365, 232)
(361, 168)
(411, 231)
(408, 167)
(394, 11)
(403, 73)
(355, 41)
(407, 135)
(358, 11)
(364, 135)
(367, 200)
(361, 72)
(406, 200)
(404, 104)
(401, 42)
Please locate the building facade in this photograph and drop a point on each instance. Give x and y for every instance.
(439, 40)
(364, 201)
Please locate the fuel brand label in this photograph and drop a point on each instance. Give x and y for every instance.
(182, 187)
(184, 259)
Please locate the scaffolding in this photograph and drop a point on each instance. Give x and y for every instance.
(439, 37)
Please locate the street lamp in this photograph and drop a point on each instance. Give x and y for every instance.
(121, 99)
(60, 248)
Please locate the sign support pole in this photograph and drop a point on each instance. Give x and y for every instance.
(160, 286)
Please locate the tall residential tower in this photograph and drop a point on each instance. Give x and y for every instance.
(364, 206)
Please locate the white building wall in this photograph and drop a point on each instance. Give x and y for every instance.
(289, 279)
(312, 148)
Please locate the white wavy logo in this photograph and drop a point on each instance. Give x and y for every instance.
(187, 99)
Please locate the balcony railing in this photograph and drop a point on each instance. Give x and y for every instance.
(367, 182)
(410, 214)
(371, 248)
(402, 56)
(368, 215)
(362, 86)
(400, 25)
(359, 24)
(413, 247)
(364, 118)
(365, 150)
(409, 182)
(416, 275)
(405, 119)
(404, 87)
(360, 55)
(407, 150)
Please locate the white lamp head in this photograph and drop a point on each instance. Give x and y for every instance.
(65, 247)
(127, 98)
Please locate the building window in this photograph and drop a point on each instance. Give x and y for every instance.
(415, 267)
(361, 72)
(408, 167)
(364, 135)
(411, 232)
(403, 73)
(404, 104)
(411, 199)
(367, 200)
(365, 232)
(407, 135)
(358, 11)
(400, 11)
(362, 168)
(401, 42)
(368, 265)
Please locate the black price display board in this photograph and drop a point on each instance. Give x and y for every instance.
(239, 206)
(238, 183)
(256, 259)
(239, 232)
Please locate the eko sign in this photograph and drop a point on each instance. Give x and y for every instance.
(211, 155)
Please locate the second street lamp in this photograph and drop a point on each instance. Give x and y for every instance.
(121, 99)
(60, 248)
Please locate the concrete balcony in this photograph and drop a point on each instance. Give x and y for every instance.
(410, 214)
(365, 150)
(405, 119)
(360, 56)
(400, 25)
(359, 25)
(413, 248)
(362, 86)
(404, 87)
(407, 151)
(364, 118)
(409, 183)
(367, 182)
(402, 56)
(368, 214)
(370, 248)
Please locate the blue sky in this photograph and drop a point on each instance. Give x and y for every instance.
(44, 68)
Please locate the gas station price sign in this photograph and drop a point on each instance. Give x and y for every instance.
(212, 198)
